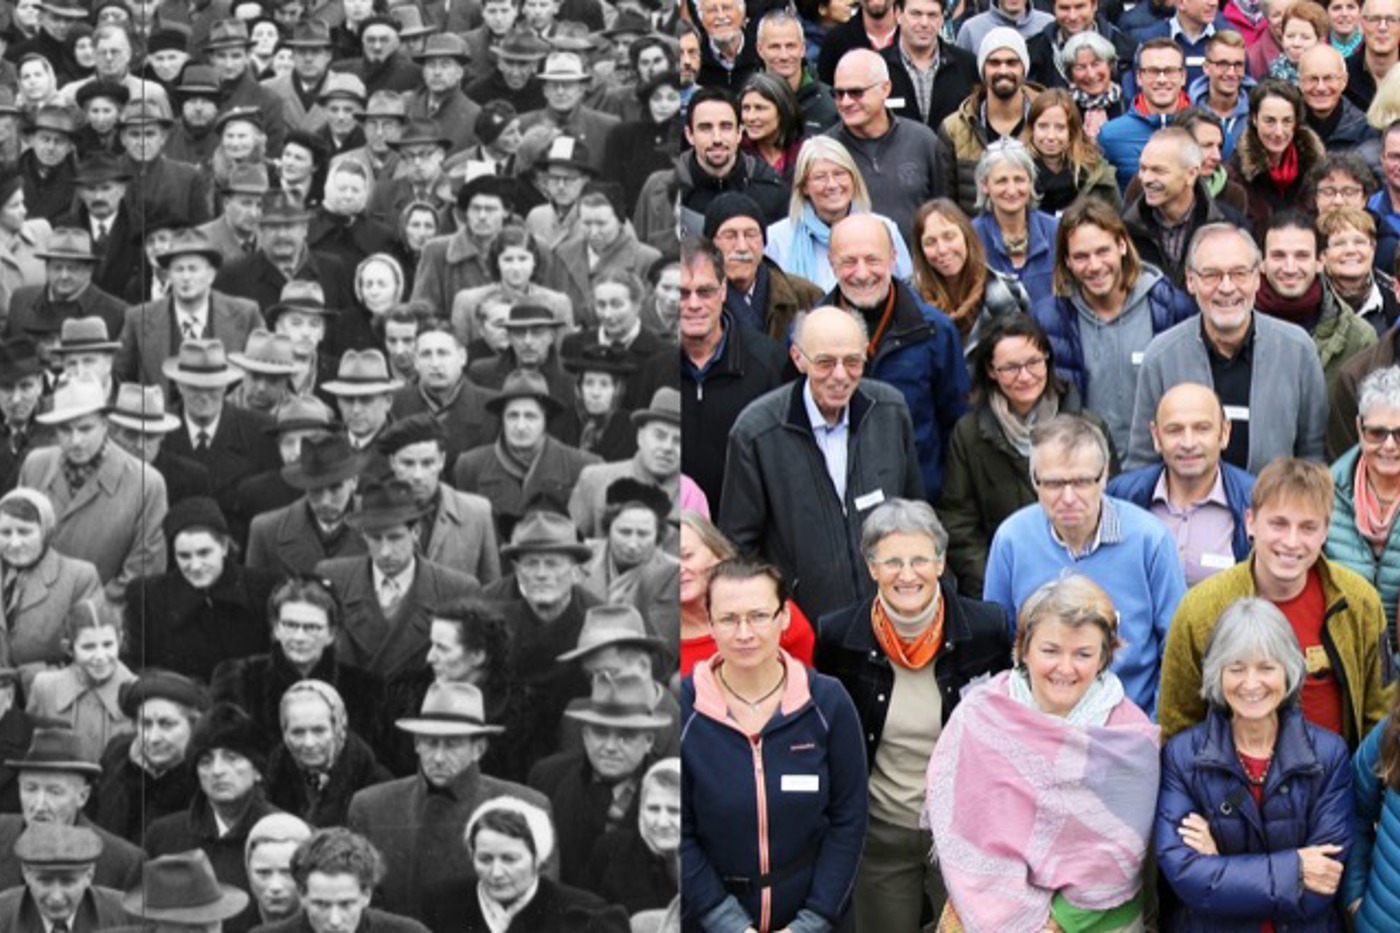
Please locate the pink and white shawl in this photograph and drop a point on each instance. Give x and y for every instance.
(1022, 805)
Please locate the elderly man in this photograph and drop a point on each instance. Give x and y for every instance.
(565, 82)
(1161, 70)
(58, 891)
(364, 394)
(383, 121)
(112, 64)
(84, 352)
(440, 97)
(139, 423)
(1380, 51)
(109, 504)
(995, 109)
(235, 232)
(1266, 371)
(387, 596)
(1074, 525)
(103, 211)
(444, 391)
(269, 367)
(509, 70)
(267, 857)
(917, 350)
(1335, 613)
(1322, 77)
(727, 60)
(656, 463)
(297, 537)
(55, 781)
(457, 528)
(180, 893)
(901, 160)
(302, 317)
(531, 343)
(299, 89)
(385, 66)
(193, 310)
(450, 264)
(801, 468)
(1200, 499)
(69, 291)
(418, 821)
(168, 188)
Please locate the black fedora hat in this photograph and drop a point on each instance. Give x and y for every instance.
(384, 505)
(55, 750)
(18, 358)
(325, 461)
(601, 358)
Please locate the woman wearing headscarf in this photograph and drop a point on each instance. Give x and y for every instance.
(637, 866)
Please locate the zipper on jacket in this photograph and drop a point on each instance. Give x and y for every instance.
(1354, 721)
(766, 896)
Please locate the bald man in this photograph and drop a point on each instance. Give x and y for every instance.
(809, 460)
(915, 348)
(1198, 497)
(1322, 76)
(898, 158)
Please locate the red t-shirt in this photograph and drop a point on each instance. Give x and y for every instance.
(1256, 768)
(799, 641)
(1322, 693)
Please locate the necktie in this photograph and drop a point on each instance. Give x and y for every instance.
(201, 442)
(189, 329)
(389, 595)
(99, 243)
(11, 589)
(60, 926)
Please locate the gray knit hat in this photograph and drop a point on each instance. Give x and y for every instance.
(1003, 37)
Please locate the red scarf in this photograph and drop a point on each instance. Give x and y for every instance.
(1287, 171)
(1140, 105)
(1303, 310)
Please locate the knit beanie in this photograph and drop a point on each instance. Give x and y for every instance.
(1002, 37)
(729, 205)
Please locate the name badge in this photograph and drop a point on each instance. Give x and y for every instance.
(870, 500)
(801, 783)
(1217, 561)
(1317, 660)
(894, 103)
(1195, 61)
(1138, 357)
(1237, 412)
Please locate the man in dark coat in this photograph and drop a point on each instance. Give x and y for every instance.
(919, 45)
(103, 212)
(69, 291)
(227, 50)
(160, 185)
(21, 387)
(58, 891)
(440, 98)
(139, 423)
(444, 390)
(49, 165)
(385, 66)
(297, 537)
(298, 418)
(715, 164)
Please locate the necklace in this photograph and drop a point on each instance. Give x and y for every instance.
(1250, 775)
(1015, 246)
(753, 704)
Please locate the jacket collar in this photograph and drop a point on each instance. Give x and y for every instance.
(1293, 751)
(797, 409)
(709, 700)
(67, 690)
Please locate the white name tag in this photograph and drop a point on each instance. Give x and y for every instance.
(1195, 61)
(1237, 412)
(894, 103)
(1138, 357)
(870, 500)
(1218, 561)
(801, 783)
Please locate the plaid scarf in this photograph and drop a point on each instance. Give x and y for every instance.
(79, 473)
(1104, 101)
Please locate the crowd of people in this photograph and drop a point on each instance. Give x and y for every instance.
(1038, 373)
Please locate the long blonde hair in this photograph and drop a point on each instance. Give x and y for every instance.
(1081, 154)
(824, 147)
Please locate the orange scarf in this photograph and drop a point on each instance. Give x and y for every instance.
(911, 655)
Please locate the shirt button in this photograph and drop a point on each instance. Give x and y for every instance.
(881, 698)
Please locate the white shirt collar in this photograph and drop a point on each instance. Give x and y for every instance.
(814, 414)
(210, 429)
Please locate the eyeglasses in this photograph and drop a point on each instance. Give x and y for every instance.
(1035, 367)
(704, 292)
(920, 564)
(1057, 485)
(856, 92)
(308, 628)
(822, 179)
(1375, 434)
(1319, 80)
(756, 620)
(1159, 73)
(1333, 194)
(1213, 277)
(1376, 19)
(1226, 66)
(825, 365)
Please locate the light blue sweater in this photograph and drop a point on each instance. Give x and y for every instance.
(1136, 563)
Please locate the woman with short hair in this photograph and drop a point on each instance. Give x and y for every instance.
(1019, 238)
(1090, 63)
(1349, 267)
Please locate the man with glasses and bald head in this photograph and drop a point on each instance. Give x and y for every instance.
(1322, 77)
(1380, 50)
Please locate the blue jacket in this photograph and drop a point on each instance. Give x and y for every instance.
(1199, 92)
(1136, 486)
(921, 355)
(1195, 52)
(1307, 802)
(1373, 870)
(1039, 271)
(791, 803)
(1346, 546)
(1387, 231)
(1059, 317)
(1122, 140)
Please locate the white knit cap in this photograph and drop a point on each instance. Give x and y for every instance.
(1003, 37)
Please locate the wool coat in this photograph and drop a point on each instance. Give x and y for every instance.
(150, 335)
(355, 769)
(285, 541)
(553, 474)
(46, 592)
(555, 908)
(127, 798)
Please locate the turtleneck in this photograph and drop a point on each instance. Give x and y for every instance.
(910, 626)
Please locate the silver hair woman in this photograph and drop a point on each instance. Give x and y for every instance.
(1020, 240)
(1089, 62)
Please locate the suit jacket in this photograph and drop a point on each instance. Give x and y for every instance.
(150, 336)
(294, 113)
(164, 187)
(570, 273)
(45, 594)
(420, 833)
(369, 640)
(590, 493)
(465, 417)
(586, 124)
(100, 909)
(30, 306)
(239, 448)
(455, 116)
(556, 908)
(285, 540)
(262, 492)
(257, 279)
(448, 265)
(464, 535)
(396, 73)
(113, 521)
(118, 864)
(225, 240)
(553, 474)
(185, 478)
(123, 254)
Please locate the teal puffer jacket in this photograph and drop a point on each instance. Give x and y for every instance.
(1373, 865)
(1346, 546)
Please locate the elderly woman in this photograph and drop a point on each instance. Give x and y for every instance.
(702, 547)
(826, 187)
(229, 753)
(638, 866)
(599, 422)
(951, 272)
(905, 658)
(518, 265)
(145, 775)
(211, 607)
(305, 618)
(379, 284)
(242, 141)
(39, 585)
(1363, 535)
(1090, 64)
(509, 840)
(630, 552)
(775, 787)
(772, 119)
(320, 763)
(1019, 240)
(1068, 164)
(1254, 819)
(1348, 267)
(1275, 153)
(1006, 780)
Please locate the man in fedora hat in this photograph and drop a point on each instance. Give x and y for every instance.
(297, 419)
(168, 187)
(55, 781)
(657, 462)
(505, 66)
(102, 213)
(301, 315)
(364, 395)
(566, 81)
(108, 503)
(524, 405)
(268, 366)
(342, 97)
(234, 233)
(180, 893)
(458, 529)
(418, 821)
(22, 385)
(420, 149)
(596, 789)
(192, 310)
(299, 89)
(227, 50)
(84, 352)
(59, 892)
(299, 536)
(388, 596)
(531, 331)
(231, 442)
(563, 171)
(138, 423)
(440, 99)
(444, 390)
(383, 64)
(450, 264)
(68, 291)
(49, 165)
(383, 121)
(194, 137)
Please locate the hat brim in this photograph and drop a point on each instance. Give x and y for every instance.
(307, 44)
(384, 518)
(230, 904)
(336, 387)
(285, 217)
(211, 254)
(581, 552)
(616, 721)
(165, 425)
(549, 403)
(108, 346)
(61, 415)
(146, 120)
(293, 475)
(262, 366)
(569, 163)
(577, 364)
(172, 371)
(65, 767)
(419, 726)
(641, 417)
(638, 641)
(440, 141)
